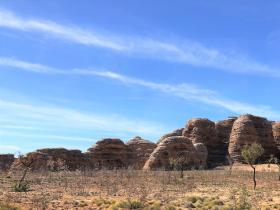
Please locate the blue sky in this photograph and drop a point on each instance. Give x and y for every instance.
(73, 73)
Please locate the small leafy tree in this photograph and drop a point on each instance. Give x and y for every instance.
(180, 162)
(276, 161)
(251, 154)
(26, 164)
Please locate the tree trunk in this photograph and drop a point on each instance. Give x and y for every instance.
(254, 177)
(182, 173)
(24, 175)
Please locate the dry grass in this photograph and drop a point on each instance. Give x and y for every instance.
(128, 189)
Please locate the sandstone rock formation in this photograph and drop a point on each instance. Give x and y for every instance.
(6, 161)
(201, 155)
(173, 148)
(248, 129)
(202, 130)
(177, 132)
(110, 154)
(202, 143)
(276, 133)
(52, 159)
(219, 148)
(140, 151)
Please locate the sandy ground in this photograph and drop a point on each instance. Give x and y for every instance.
(128, 189)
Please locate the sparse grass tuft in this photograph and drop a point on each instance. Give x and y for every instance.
(4, 206)
(170, 207)
(101, 201)
(129, 204)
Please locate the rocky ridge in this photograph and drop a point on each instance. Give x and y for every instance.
(201, 144)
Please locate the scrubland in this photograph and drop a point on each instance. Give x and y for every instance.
(220, 188)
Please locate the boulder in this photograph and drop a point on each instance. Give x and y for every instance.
(140, 151)
(109, 154)
(174, 148)
(6, 161)
(249, 129)
(53, 159)
(276, 133)
(178, 132)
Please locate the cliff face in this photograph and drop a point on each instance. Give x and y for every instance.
(249, 129)
(220, 147)
(6, 160)
(276, 133)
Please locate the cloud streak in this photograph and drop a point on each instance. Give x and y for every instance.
(192, 93)
(186, 52)
(185, 91)
(74, 34)
(58, 118)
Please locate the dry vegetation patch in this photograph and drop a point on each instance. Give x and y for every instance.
(133, 189)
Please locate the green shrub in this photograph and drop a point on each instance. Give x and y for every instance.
(130, 204)
(21, 187)
(195, 199)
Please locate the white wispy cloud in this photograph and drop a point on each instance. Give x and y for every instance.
(60, 118)
(186, 51)
(192, 93)
(11, 62)
(73, 33)
(185, 91)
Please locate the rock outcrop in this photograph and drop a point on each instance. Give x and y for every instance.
(178, 132)
(249, 129)
(6, 161)
(140, 151)
(219, 148)
(276, 133)
(175, 148)
(53, 159)
(201, 155)
(110, 154)
(202, 130)
(201, 144)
